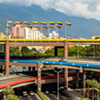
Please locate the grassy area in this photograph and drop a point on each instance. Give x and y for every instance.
(84, 99)
(42, 96)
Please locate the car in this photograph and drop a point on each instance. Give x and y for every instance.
(54, 91)
(24, 93)
(63, 60)
(46, 92)
(32, 93)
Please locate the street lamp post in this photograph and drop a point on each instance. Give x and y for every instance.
(57, 70)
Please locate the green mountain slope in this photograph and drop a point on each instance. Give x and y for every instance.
(81, 27)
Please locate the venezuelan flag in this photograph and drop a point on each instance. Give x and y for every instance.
(29, 26)
(44, 27)
(7, 26)
(51, 23)
(35, 23)
(18, 22)
(68, 24)
(43, 23)
(22, 25)
(26, 23)
(10, 22)
(50, 27)
(59, 23)
(37, 27)
(57, 26)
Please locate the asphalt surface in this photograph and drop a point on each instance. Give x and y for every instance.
(29, 75)
(88, 61)
(28, 88)
(53, 96)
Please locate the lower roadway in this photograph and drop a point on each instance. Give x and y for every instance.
(53, 96)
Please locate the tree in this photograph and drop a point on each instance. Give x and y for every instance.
(98, 87)
(8, 90)
(93, 84)
(60, 52)
(88, 83)
(12, 97)
(25, 51)
(49, 53)
(14, 51)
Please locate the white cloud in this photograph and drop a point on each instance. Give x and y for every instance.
(82, 8)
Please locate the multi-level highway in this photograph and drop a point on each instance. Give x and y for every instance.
(57, 43)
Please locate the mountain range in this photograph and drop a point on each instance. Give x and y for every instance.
(81, 27)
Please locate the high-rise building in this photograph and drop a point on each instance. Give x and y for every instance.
(2, 35)
(53, 35)
(17, 31)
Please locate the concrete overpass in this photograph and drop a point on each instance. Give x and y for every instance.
(70, 41)
(25, 79)
(57, 43)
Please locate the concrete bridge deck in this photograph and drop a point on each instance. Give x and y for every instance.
(70, 41)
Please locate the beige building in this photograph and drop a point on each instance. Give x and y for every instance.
(95, 37)
(2, 35)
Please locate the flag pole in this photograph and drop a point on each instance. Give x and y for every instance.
(7, 30)
(41, 33)
(48, 32)
(65, 31)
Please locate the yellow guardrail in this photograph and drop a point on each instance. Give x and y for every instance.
(70, 40)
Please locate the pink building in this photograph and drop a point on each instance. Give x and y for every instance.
(17, 31)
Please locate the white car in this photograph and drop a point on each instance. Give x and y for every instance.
(63, 60)
(46, 92)
(32, 93)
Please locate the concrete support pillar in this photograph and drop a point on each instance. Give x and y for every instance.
(1, 69)
(29, 68)
(33, 68)
(55, 51)
(7, 57)
(65, 49)
(66, 78)
(77, 78)
(84, 84)
(39, 77)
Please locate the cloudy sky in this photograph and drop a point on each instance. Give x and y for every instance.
(81, 8)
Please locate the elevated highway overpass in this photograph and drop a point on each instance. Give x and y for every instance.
(57, 43)
(25, 79)
(71, 65)
(37, 41)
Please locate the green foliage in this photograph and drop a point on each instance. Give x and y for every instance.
(97, 85)
(12, 97)
(14, 51)
(49, 53)
(93, 83)
(33, 49)
(85, 99)
(88, 82)
(60, 52)
(25, 51)
(72, 51)
(42, 96)
(8, 90)
(9, 93)
(2, 47)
